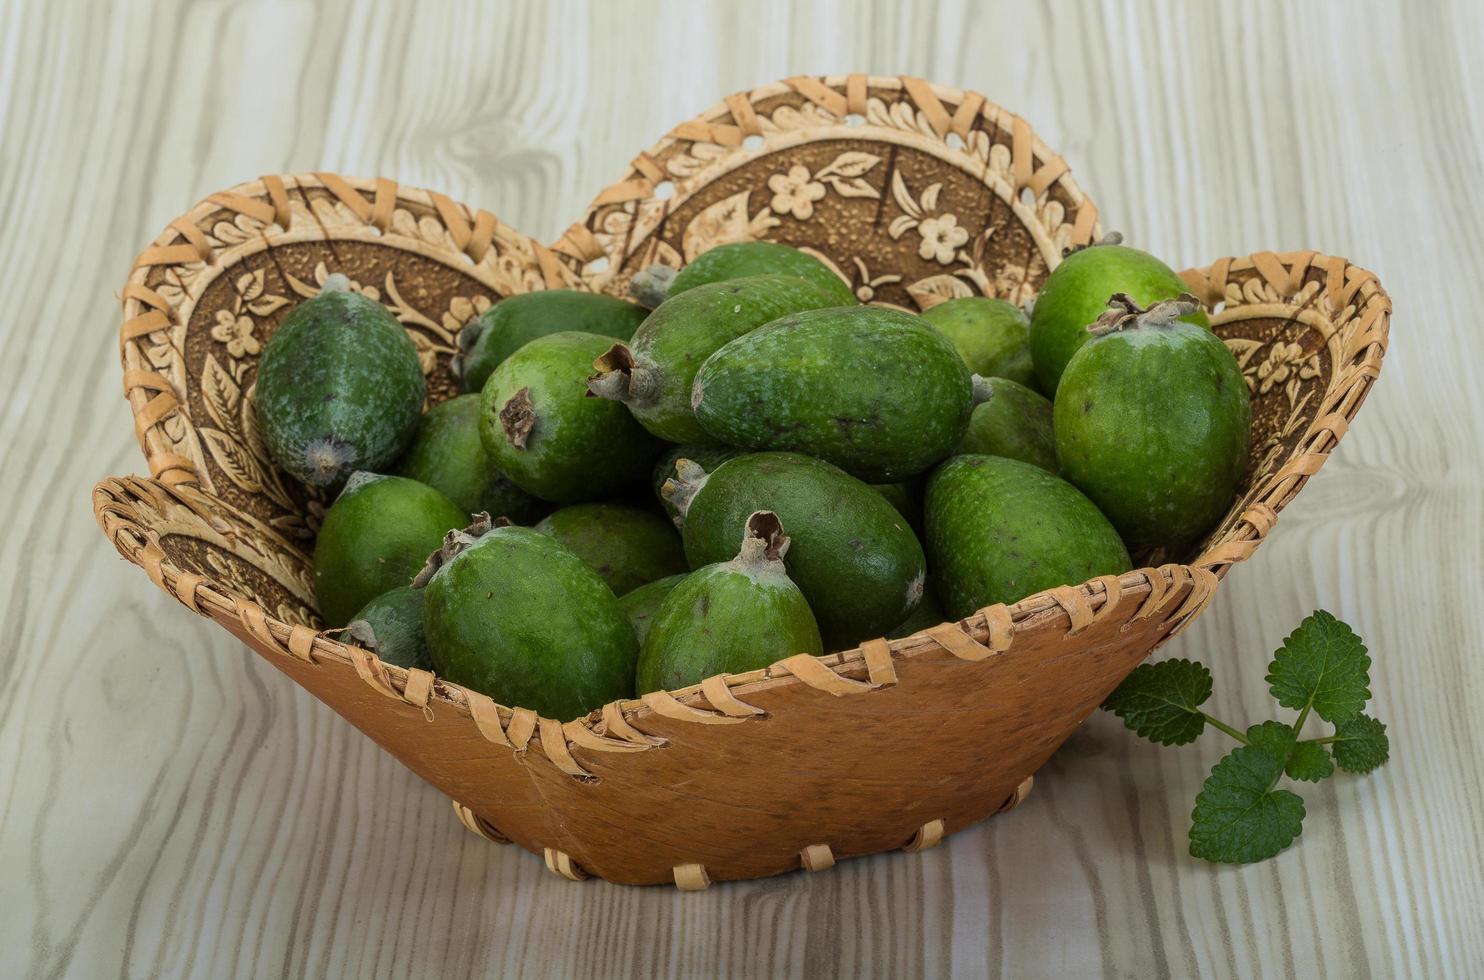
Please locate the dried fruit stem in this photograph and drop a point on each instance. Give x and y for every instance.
(622, 378)
(983, 389)
(680, 489)
(456, 541)
(650, 286)
(1124, 314)
(763, 542)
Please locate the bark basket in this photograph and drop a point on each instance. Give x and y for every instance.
(916, 193)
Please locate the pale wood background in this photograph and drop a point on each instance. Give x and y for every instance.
(170, 805)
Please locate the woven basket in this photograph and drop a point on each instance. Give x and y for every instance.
(916, 193)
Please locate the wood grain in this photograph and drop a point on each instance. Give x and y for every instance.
(170, 806)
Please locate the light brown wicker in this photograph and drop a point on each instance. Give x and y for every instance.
(916, 193)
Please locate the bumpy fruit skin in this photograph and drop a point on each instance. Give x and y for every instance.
(669, 347)
(625, 545)
(375, 537)
(707, 455)
(339, 389)
(991, 335)
(395, 618)
(511, 323)
(738, 259)
(520, 618)
(1014, 423)
(448, 455)
(641, 604)
(853, 556)
(999, 530)
(877, 392)
(544, 432)
(726, 618)
(1077, 292)
(1153, 424)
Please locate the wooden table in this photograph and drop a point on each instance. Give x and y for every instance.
(170, 805)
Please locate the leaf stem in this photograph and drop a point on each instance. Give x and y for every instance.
(1224, 727)
(1326, 740)
(1298, 726)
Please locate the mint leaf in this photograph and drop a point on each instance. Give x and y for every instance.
(1322, 665)
(1161, 702)
(1274, 736)
(1309, 762)
(1361, 744)
(1239, 818)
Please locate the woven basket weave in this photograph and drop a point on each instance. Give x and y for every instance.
(916, 193)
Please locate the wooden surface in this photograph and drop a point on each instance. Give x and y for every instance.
(171, 806)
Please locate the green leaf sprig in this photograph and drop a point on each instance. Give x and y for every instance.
(1240, 814)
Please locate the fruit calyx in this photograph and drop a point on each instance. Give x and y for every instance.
(983, 389)
(651, 285)
(679, 490)
(361, 633)
(763, 542)
(518, 418)
(456, 542)
(622, 378)
(1111, 238)
(1124, 314)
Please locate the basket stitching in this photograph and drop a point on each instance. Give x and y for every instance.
(477, 824)
(816, 857)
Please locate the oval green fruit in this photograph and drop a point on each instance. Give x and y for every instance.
(641, 604)
(375, 537)
(391, 626)
(448, 455)
(708, 456)
(991, 335)
(339, 387)
(512, 613)
(999, 530)
(514, 322)
(1152, 422)
(1077, 293)
(877, 392)
(625, 545)
(544, 432)
(855, 558)
(738, 259)
(1011, 421)
(730, 617)
(652, 374)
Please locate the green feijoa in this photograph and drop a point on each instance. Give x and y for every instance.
(512, 613)
(652, 374)
(730, 617)
(992, 336)
(548, 436)
(855, 558)
(448, 455)
(999, 530)
(511, 323)
(875, 391)
(641, 604)
(738, 259)
(708, 456)
(625, 545)
(391, 626)
(339, 387)
(1010, 420)
(927, 615)
(1152, 422)
(375, 537)
(1077, 292)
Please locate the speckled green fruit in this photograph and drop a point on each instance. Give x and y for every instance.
(991, 335)
(739, 259)
(1152, 422)
(853, 555)
(544, 432)
(517, 616)
(706, 455)
(1015, 423)
(375, 537)
(625, 545)
(875, 391)
(1077, 292)
(448, 455)
(391, 626)
(652, 374)
(512, 323)
(729, 617)
(999, 530)
(927, 615)
(339, 388)
(641, 604)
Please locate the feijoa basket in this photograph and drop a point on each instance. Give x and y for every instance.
(916, 193)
